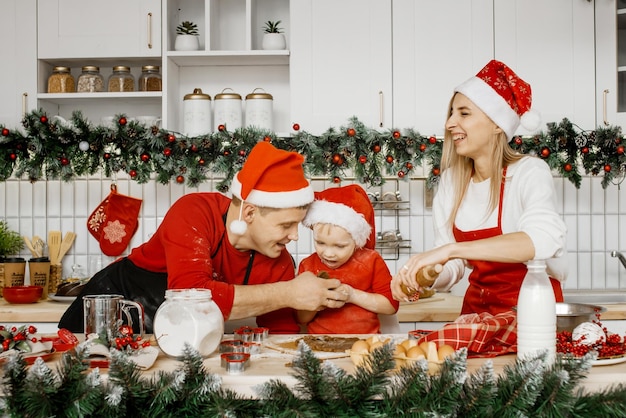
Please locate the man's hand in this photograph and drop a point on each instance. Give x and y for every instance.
(312, 293)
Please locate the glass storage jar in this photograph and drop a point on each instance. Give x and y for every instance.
(61, 81)
(90, 80)
(150, 79)
(121, 79)
(188, 316)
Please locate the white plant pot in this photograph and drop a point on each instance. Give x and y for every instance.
(274, 41)
(186, 43)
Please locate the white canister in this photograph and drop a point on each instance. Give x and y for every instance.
(259, 110)
(227, 110)
(197, 113)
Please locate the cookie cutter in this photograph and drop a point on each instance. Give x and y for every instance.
(244, 333)
(239, 346)
(260, 334)
(235, 363)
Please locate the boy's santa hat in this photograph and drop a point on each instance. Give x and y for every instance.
(348, 207)
(270, 178)
(503, 96)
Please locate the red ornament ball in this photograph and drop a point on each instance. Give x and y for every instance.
(180, 179)
(396, 134)
(362, 159)
(389, 159)
(13, 156)
(567, 167)
(201, 161)
(620, 149)
(171, 138)
(518, 140)
(336, 180)
(123, 121)
(401, 174)
(351, 132)
(267, 139)
(337, 159)
(432, 140)
(422, 147)
(585, 150)
(194, 148)
(167, 152)
(242, 152)
(408, 166)
(133, 173)
(436, 171)
(296, 127)
(43, 119)
(607, 168)
(64, 161)
(545, 152)
(145, 157)
(376, 148)
(221, 128)
(106, 156)
(226, 153)
(5, 132)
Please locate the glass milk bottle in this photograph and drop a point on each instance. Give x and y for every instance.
(188, 316)
(536, 313)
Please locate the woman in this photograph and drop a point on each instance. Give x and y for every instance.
(494, 209)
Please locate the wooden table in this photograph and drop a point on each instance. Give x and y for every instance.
(272, 364)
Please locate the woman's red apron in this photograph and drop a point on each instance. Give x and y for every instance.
(493, 286)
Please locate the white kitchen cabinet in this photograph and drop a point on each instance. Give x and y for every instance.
(610, 62)
(96, 28)
(550, 45)
(18, 43)
(341, 63)
(436, 46)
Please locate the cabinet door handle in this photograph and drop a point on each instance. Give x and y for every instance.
(381, 108)
(604, 94)
(24, 103)
(149, 30)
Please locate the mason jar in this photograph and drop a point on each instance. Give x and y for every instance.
(188, 316)
(61, 81)
(90, 80)
(150, 78)
(121, 79)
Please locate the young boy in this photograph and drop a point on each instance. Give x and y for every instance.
(342, 220)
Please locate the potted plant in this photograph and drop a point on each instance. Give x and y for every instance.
(274, 37)
(10, 244)
(187, 37)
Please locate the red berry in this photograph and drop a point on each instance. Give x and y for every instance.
(567, 167)
(607, 168)
(133, 173)
(432, 140)
(389, 159)
(123, 121)
(436, 171)
(296, 127)
(620, 149)
(145, 157)
(408, 166)
(106, 156)
(242, 153)
(43, 119)
(585, 150)
(5, 132)
(376, 148)
(221, 128)
(180, 179)
(201, 161)
(422, 147)
(401, 174)
(171, 138)
(32, 329)
(362, 159)
(545, 152)
(194, 148)
(13, 156)
(167, 152)
(64, 161)
(351, 132)
(518, 140)
(336, 180)
(396, 134)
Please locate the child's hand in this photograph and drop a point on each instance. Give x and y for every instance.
(347, 290)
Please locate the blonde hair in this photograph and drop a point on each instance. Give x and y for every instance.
(463, 167)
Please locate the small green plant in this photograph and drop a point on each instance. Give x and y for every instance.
(187, 28)
(272, 27)
(10, 241)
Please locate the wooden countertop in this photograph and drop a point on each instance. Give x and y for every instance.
(442, 307)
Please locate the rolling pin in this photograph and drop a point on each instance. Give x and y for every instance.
(425, 278)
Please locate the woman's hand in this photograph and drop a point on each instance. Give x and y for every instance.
(407, 274)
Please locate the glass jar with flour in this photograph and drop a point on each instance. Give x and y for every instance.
(188, 316)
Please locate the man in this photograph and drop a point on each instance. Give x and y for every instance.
(235, 247)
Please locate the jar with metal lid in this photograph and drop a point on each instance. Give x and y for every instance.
(197, 113)
(259, 110)
(121, 79)
(90, 80)
(150, 78)
(188, 316)
(227, 110)
(61, 81)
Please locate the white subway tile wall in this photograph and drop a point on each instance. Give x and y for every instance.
(595, 218)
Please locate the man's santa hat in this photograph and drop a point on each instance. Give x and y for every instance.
(503, 96)
(270, 178)
(348, 207)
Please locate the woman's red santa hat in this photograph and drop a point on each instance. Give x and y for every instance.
(348, 207)
(503, 96)
(270, 178)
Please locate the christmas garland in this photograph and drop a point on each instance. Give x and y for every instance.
(65, 150)
(375, 389)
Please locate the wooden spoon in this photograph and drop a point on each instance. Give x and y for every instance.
(54, 245)
(29, 245)
(66, 244)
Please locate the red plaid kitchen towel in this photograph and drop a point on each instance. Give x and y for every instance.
(484, 334)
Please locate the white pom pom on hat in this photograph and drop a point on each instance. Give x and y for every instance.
(503, 96)
(270, 178)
